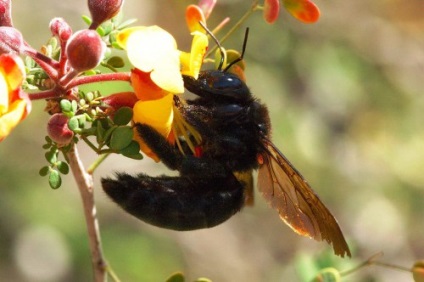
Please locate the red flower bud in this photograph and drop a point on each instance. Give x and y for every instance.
(119, 100)
(271, 10)
(85, 50)
(60, 28)
(5, 13)
(103, 10)
(11, 40)
(58, 129)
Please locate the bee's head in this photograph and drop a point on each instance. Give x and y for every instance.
(218, 85)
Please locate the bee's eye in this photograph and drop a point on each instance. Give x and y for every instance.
(226, 82)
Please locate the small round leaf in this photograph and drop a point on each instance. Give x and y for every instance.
(116, 62)
(121, 138)
(44, 171)
(51, 156)
(54, 179)
(65, 105)
(123, 116)
(132, 151)
(62, 167)
(176, 277)
(73, 123)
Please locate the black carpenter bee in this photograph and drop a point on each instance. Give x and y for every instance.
(235, 130)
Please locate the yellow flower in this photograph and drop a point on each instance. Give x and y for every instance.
(157, 74)
(14, 103)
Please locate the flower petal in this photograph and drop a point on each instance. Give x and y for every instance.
(303, 10)
(146, 47)
(156, 113)
(8, 121)
(207, 6)
(194, 15)
(167, 74)
(144, 88)
(153, 50)
(271, 10)
(191, 63)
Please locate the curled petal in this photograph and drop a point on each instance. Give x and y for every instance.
(192, 62)
(303, 10)
(194, 15)
(144, 87)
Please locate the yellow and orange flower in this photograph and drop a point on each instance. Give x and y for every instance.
(157, 74)
(14, 103)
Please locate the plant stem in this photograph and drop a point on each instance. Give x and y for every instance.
(99, 78)
(46, 94)
(85, 185)
(97, 162)
(255, 6)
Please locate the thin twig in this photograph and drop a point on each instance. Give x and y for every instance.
(85, 185)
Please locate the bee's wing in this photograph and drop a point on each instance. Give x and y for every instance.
(288, 192)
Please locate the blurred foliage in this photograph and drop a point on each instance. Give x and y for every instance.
(345, 97)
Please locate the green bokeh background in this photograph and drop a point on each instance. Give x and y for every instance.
(346, 101)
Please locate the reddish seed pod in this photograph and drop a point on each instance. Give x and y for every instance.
(60, 28)
(5, 13)
(103, 10)
(85, 50)
(58, 130)
(11, 40)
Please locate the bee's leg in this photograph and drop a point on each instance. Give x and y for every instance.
(168, 154)
(172, 157)
(179, 203)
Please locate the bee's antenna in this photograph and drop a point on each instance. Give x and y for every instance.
(246, 36)
(221, 49)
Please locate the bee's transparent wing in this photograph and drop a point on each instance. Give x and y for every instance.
(288, 192)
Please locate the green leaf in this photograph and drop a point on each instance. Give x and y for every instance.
(74, 106)
(116, 62)
(62, 167)
(121, 138)
(132, 151)
(73, 123)
(123, 116)
(47, 146)
(66, 105)
(54, 179)
(44, 171)
(101, 31)
(176, 277)
(203, 279)
(87, 19)
(51, 156)
(89, 96)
